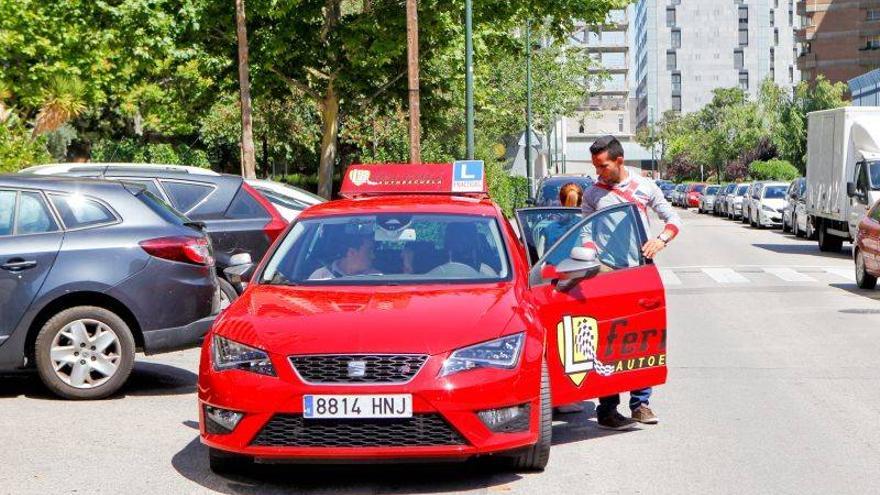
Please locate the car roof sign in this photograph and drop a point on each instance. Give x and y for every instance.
(466, 178)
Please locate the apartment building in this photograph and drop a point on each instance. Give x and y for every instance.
(839, 39)
(686, 49)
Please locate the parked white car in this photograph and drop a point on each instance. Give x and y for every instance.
(288, 200)
(766, 207)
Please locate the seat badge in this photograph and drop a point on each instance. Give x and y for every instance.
(357, 369)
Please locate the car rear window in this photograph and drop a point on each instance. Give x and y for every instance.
(185, 195)
(245, 206)
(282, 201)
(78, 212)
(549, 192)
(699, 188)
(741, 190)
(161, 208)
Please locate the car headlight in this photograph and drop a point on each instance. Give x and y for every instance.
(499, 353)
(231, 355)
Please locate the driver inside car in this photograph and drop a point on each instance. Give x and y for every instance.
(357, 259)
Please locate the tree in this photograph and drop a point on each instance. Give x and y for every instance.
(348, 56)
(248, 159)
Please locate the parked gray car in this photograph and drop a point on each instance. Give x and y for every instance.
(795, 199)
(90, 273)
(707, 201)
(735, 201)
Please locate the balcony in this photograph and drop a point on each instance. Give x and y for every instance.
(806, 61)
(869, 58)
(869, 28)
(805, 34)
(806, 7)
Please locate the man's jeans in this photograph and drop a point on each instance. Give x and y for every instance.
(607, 405)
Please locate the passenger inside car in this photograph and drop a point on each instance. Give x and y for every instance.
(357, 259)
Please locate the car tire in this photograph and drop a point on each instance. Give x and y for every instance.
(828, 243)
(228, 294)
(66, 338)
(222, 462)
(794, 227)
(785, 227)
(537, 456)
(863, 279)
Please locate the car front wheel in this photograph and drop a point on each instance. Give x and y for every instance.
(864, 279)
(85, 352)
(537, 456)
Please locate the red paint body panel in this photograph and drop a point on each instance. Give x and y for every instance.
(432, 319)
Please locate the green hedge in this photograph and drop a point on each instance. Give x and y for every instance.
(773, 170)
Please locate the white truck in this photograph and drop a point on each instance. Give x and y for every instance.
(843, 172)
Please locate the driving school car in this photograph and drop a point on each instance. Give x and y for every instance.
(408, 321)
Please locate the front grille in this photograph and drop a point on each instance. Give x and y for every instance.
(376, 368)
(421, 430)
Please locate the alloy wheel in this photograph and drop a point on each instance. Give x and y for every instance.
(85, 353)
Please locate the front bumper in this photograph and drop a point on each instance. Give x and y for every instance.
(771, 219)
(453, 400)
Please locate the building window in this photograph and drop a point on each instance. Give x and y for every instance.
(772, 57)
(671, 60)
(744, 80)
(676, 38)
(790, 16)
(738, 62)
(772, 18)
(620, 122)
(790, 74)
(873, 42)
(743, 15)
(676, 83)
(743, 36)
(676, 103)
(873, 15)
(775, 36)
(670, 16)
(773, 74)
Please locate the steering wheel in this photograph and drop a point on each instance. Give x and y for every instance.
(453, 269)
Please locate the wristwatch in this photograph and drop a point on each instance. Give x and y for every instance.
(664, 238)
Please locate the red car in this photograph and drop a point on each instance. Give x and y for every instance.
(694, 193)
(408, 321)
(866, 249)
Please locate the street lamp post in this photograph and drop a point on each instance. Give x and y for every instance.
(653, 144)
(529, 105)
(469, 75)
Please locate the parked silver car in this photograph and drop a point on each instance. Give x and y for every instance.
(707, 201)
(794, 198)
(767, 204)
(721, 199)
(735, 201)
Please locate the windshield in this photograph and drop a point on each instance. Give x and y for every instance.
(775, 192)
(699, 188)
(712, 190)
(741, 190)
(548, 195)
(874, 173)
(390, 249)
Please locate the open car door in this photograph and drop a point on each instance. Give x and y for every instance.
(604, 312)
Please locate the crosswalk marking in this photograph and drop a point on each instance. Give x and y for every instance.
(669, 277)
(725, 276)
(846, 273)
(789, 275)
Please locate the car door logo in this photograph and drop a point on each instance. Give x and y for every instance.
(357, 369)
(577, 339)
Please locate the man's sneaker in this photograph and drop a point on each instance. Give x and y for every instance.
(644, 414)
(615, 421)
(570, 408)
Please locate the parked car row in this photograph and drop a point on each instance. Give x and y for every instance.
(93, 271)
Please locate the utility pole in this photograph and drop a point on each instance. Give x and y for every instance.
(529, 105)
(653, 146)
(248, 155)
(412, 50)
(469, 75)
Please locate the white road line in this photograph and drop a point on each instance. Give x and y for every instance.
(725, 276)
(669, 277)
(847, 273)
(789, 275)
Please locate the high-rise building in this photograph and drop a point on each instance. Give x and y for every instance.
(839, 39)
(609, 109)
(685, 50)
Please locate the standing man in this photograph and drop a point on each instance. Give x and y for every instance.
(616, 185)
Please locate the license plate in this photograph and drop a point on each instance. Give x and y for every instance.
(357, 406)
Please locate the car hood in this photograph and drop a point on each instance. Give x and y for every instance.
(777, 204)
(314, 320)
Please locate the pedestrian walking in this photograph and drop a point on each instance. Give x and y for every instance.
(616, 185)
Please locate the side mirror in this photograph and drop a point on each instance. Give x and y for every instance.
(850, 189)
(238, 271)
(582, 263)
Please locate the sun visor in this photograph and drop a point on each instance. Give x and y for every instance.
(466, 178)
